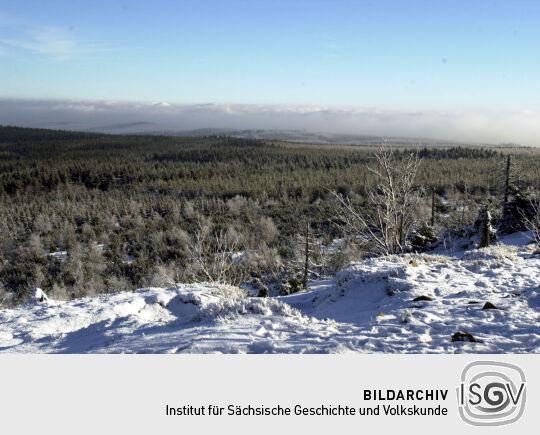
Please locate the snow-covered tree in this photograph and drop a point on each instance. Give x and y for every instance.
(485, 228)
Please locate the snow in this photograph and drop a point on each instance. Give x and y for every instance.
(58, 255)
(367, 307)
(128, 259)
(39, 295)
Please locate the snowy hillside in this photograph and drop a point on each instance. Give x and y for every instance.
(409, 303)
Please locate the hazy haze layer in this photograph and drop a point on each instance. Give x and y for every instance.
(126, 117)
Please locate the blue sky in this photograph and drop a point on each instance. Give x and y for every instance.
(388, 55)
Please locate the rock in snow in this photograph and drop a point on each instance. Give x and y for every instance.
(342, 314)
(39, 295)
(464, 336)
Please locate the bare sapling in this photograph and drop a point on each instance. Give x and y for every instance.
(391, 210)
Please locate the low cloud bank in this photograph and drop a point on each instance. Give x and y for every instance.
(122, 117)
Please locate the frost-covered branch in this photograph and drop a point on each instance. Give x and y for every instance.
(389, 216)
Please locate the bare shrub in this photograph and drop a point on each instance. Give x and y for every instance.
(59, 293)
(263, 262)
(266, 230)
(82, 272)
(213, 254)
(42, 224)
(237, 204)
(87, 232)
(188, 210)
(345, 254)
(390, 213)
(66, 237)
(110, 223)
(532, 220)
(33, 247)
(178, 238)
(6, 297)
(116, 284)
(463, 213)
(161, 275)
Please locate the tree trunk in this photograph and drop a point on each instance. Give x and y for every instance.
(485, 228)
(506, 188)
(306, 264)
(432, 207)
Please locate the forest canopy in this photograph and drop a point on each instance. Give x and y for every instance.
(86, 213)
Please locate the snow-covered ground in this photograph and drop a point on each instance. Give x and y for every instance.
(368, 307)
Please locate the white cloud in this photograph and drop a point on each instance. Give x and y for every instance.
(468, 126)
(56, 42)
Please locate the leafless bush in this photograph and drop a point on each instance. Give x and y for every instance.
(33, 247)
(213, 254)
(42, 224)
(6, 297)
(266, 230)
(532, 220)
(161, 275)
(345, 254)
(463, 213)
(59, 293)
(66, 237)
(237, 204)
(117, 284)
(263, 262)
(390, 214)
(176, 236)
(188, 210)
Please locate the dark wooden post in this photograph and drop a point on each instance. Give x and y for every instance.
(306, 264)
(506, 187)
(432, 207)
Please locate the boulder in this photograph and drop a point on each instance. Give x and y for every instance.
(422, 298)
(464, 336)
(39, 295)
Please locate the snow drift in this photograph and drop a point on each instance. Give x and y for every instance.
(409, 303)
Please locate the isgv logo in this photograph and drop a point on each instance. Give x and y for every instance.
(491, 393)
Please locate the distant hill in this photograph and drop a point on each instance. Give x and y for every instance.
(8, 133)
(126, 127)
(309, 137)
